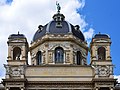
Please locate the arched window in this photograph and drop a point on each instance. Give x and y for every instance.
(78, 58)
(16, 53)
(101, 53)
(39, 58)
(59, 55)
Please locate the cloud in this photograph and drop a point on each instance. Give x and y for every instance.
(89, 33)
(2, 2)
(25, 16)
(117, 77)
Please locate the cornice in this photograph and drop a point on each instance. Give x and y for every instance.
(49, 38)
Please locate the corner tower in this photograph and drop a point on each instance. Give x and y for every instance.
(17, 50)
(100, 49)
(100, 56)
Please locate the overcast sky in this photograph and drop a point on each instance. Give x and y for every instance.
(25, 16)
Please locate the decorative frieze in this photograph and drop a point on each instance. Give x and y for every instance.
(103, 70)
(104, 84)
(15, 71)
(60, 86)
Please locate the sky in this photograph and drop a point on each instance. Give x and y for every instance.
(93, 16)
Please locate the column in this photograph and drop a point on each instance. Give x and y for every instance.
(23, 53)
(71, 54)
(46, 55)
(9, 52)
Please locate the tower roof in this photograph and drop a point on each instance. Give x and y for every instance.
(101, 36)
(12, 36)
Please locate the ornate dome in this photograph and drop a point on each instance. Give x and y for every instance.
(58, 26)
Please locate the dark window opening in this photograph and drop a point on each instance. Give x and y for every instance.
(59, 55)
(39, 58)
(58, 24)
(101, 53)
(78, 58)
(16, 53)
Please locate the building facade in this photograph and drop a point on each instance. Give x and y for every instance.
(59, 59)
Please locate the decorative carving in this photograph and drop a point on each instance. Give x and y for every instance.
(74, 60)
(50, 57)
(103, 70)
(33, 55)
(104, 83)
(15, 71)
(22, 70)
(52, 46)
(15, 84)
(8, 69)
(67, 57)
(68, 86)
(44, 58)
(111, 70)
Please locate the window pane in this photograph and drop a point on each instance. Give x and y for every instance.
(39, 58)
(59, 55)
(78, 58)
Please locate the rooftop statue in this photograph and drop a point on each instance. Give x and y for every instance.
(58, 7)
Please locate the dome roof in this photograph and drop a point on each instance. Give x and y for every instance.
(101, 36)
(12, 36)
(58, 26)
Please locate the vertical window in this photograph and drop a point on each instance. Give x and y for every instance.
(59, 55)
(16, 53)
(39, 58)
(101, 53)
(78, 58)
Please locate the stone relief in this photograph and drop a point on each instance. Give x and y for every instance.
(50, 57)
(14, 71)
(52, 46)
(103, 70)
(8, 69)
(67, 57)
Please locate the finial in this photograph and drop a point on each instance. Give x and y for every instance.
(18, 32)
(58, 7)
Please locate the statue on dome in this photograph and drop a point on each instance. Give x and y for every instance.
(58, 7)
